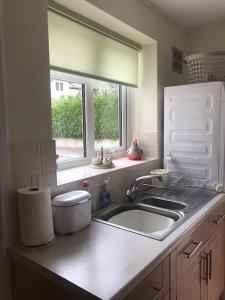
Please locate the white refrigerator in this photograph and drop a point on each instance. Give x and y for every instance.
(194, 129)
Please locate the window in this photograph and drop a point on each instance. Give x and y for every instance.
(89, 114)
(95, 69)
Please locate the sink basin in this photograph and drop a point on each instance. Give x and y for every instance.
(142, 220)
(164, 203)
(146, 220)
(158, 212)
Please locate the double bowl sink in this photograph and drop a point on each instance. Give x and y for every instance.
(154, 217)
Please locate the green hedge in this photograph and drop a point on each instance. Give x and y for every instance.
(67, 116)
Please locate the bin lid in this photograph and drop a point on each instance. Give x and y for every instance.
(71, 198)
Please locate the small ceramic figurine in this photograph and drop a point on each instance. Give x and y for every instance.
(96, 160)
(107, 161)
(134, 152)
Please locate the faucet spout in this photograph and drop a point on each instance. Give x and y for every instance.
(133, 190)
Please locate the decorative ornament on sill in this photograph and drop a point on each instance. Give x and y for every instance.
(102, 161)
(134, 152)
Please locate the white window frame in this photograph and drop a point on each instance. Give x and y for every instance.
(127, 119)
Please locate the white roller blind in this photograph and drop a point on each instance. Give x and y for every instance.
(76, 48)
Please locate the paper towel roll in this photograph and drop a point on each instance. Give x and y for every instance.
(35, 216)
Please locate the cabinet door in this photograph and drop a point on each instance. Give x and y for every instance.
(216, 220)
(190, 285)
(215, 257)
(154, 286)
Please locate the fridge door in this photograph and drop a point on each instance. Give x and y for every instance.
(192, 131)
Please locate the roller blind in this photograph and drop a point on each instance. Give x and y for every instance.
(76, 48)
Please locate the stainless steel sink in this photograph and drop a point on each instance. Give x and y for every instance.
(173, 205)
(156, 213)
(146, 220)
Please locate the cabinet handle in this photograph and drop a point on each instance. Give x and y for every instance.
(197, 245)
(221, 217)
(206, 269)
(210, 265)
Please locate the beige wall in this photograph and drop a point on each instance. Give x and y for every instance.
(24, 102)
(139, 16)
(25, 83)
(206, 38)
(26, 70)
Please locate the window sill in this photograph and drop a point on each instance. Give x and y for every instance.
(84, 172)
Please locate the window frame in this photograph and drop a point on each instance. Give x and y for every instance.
(126, 104)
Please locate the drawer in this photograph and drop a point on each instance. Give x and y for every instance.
(189, 247)
(216, 219)
(154, 286)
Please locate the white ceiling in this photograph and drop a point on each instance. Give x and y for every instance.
(190, 13)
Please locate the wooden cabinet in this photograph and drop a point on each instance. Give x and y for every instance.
(188, 248)
(190, 285)
(29, 285)
(214, 253)
(155, 286)
(200, 260)
(196, 266)
(215, 220)
(189, 258)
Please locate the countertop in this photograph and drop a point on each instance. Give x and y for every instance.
(102, 261)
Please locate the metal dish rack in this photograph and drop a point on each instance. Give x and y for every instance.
(181, 187)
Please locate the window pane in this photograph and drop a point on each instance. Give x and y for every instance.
(67, 120)
(106, 114)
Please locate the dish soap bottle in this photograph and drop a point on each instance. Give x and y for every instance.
(105, 196)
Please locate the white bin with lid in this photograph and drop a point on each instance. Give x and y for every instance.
(71, 212)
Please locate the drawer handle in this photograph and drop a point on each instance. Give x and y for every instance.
(221, 218)
(197, 245)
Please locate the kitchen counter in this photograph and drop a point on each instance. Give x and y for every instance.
(102, 261)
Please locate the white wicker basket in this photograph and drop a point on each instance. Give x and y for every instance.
(205, 67)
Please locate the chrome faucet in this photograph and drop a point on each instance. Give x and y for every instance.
(133, 190)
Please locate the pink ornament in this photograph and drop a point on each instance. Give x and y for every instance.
(134, 152)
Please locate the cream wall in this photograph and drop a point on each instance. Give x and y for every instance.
(206, 38)
(139, 16)
(145, 101)
(24, 103)
(26, 71)
(25, 94)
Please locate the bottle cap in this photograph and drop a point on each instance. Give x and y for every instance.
(85, 184)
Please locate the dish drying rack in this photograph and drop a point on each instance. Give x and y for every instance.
(180, 186)
(186, 182)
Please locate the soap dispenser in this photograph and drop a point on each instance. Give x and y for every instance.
(105, 196)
